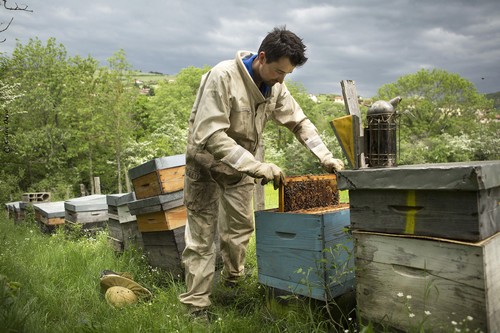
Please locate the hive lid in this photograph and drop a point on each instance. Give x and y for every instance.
(157, 164)
(120, 199)
(88, 203)
(14, 204)
(465, 176)
(156, 203)
(50, 209)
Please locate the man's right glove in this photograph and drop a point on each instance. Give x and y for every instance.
(269, 172)
(332, 165)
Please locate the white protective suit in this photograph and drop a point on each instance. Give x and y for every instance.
(225, 126)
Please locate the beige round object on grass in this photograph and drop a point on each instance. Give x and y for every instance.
(120, 291)
(119, 297)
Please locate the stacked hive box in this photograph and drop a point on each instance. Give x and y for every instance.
(161, 215)
(13, 210)
(48, 215)
(306, 251)
(91, 212)
(427, 245)
(122, 225)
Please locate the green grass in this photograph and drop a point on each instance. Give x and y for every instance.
(50, 283)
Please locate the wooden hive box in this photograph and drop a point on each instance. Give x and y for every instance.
(122, 226)
(118, 207)
(163, 250)
(449, 200)
(13, 210)
(448, 282)
(306, 249)
(159, 213)
(48, 215)
(89, 211)
(159, 176)
(24, 206)
(305, 253)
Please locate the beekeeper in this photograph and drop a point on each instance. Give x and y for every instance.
(235, 100)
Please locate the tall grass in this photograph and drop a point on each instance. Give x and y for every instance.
(50, 283)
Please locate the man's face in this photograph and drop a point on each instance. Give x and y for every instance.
(274, 72)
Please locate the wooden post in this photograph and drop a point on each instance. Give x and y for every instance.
(259, 202)
(352, 108)
(83, 190)
(97, 185)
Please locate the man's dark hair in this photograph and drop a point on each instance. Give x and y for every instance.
(283, 43)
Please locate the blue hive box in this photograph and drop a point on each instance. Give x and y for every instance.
(309, 254)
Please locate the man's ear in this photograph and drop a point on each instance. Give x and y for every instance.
(262, 57)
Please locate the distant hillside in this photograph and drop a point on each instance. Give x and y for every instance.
(150, 79)
(496, 99)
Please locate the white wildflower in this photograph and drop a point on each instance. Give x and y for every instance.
(400, 294)
(453, 322)
(427, 312)
(469, 318)
(412, 315)
(408, 296)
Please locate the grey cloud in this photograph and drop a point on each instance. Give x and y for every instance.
(373, 43)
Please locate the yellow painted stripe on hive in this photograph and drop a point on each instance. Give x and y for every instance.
(411, 201)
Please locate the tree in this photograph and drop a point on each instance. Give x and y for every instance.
(36, 132)
(441, 112)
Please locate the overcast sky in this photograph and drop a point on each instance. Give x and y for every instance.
(370, 42)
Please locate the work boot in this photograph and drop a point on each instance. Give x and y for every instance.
(199, 315)
(235, 281)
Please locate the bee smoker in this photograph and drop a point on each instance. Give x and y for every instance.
(380, 134)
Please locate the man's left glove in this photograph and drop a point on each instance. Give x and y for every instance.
(332, 165)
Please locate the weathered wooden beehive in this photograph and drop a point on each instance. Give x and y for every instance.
(122, 225)
(24, 207)
(13, 210)
(161, 220)
(160, 212)
(91, 212)
(164, 250)
(307, 250)
(48, 215)
(161, 215)
(158, 176)
(427, 236)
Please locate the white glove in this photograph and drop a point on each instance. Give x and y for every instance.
(331, 164)
(269, 172)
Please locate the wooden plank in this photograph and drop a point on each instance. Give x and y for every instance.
(491, 254)
(162, 220)
(352, 108)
